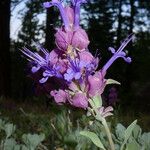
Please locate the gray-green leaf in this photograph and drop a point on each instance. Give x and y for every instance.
(9, 144)
(9, 129)
(120, 129)
(32, 140)
(93, 137)
(129, 130)
(133, 145)
(111, 81)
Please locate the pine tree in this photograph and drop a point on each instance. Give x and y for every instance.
(5, 60)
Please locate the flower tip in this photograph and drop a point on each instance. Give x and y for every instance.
(112, 50)
(128, 59)
(47, 4)
(84, 1)
(43, 80)
(35, 69)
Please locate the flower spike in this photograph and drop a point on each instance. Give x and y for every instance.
(59, 5)
(118, 54)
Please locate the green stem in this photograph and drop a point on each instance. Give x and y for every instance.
(108, 133)
(122, 146)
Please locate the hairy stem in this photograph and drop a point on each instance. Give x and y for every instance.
(102, 119)
(108, 133)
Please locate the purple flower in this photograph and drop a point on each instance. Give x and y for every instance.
(58, 4)
(119, 53)
(68, 16)
(80, 67)
(41, 61)
(90, 61)
(60, 96)
(74, 70)
(79, 100)
(72, 34)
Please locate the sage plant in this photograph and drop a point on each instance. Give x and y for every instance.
(69, 73)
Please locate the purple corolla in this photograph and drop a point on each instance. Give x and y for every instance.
(69, 15)
(119, 53)
(71, 34)
(49, 63)
(81, 67)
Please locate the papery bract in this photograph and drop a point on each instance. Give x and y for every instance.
(76, 38)
(79, 100)
(105, 112)
(96, 84)
(60, 96)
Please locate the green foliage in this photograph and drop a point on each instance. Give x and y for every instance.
(32, 140)
(93, 137)
(28, 142)
(130, 138)
(62, 130)
(9, 129)
(69, 137)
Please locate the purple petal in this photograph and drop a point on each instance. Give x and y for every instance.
(119, 53)
(77, 75)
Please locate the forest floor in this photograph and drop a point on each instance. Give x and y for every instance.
(30, 115)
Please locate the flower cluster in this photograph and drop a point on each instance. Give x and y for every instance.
(69, 72)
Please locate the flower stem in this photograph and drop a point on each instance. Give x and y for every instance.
(108, 133)
(102, 119)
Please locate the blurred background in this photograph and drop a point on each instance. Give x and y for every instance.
(107, 23)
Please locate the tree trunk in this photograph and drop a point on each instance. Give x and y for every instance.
(119, 24)
(50, 19)
(132, 14)
(5, 62)
(129, 71)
